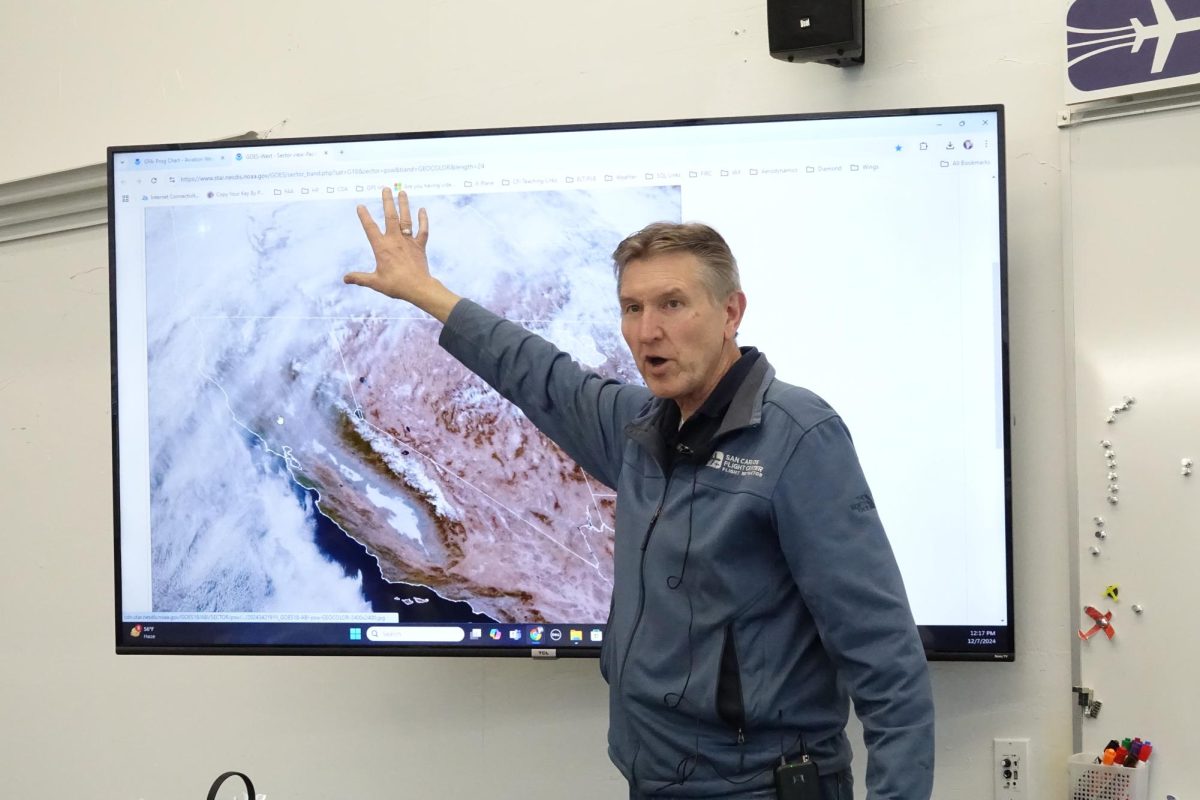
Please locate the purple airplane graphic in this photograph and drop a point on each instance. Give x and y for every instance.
(1086, 20)
(1164, 30)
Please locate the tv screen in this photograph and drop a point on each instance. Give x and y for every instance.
(299, 468)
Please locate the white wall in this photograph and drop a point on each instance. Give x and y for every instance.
(77, 76)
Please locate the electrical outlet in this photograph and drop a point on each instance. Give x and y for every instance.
(1010, 769)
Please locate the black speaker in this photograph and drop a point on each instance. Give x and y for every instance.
(828, 31)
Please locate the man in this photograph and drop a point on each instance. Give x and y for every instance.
(755, 590)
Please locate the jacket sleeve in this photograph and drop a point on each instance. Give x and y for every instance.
(846, 572)
(580, 411)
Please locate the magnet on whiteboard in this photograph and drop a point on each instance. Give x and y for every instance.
(1187, 462)
(1099, 521)
(1094, 550)
(1113, 499)
(1101, 535)
(1128, 401)
(1110, 419)
(1112, 476)
(1113, 488)
(1137, 609)
(1113, 592)
(1106, 444)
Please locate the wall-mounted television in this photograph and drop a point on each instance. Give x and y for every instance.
(299, 468)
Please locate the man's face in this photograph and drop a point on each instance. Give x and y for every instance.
(681, 339)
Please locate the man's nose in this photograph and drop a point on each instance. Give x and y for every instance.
(649, 326)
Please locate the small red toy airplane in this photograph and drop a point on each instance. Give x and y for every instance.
(1103, 623)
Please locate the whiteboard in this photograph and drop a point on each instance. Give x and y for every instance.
(1133, 214)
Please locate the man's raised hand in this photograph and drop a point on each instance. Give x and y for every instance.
(401, 267)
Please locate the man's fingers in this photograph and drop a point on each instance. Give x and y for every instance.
(369, 226)
(360, 279)
(405, 215)
(390, 217)
(423, 235)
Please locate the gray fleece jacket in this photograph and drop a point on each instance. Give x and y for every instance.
(755, 590)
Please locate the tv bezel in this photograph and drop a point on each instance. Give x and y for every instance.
(587, 650)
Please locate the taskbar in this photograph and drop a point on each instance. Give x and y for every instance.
(149, 634)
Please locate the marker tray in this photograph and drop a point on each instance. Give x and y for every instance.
(1092, 781)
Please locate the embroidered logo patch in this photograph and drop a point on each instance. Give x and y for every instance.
(735, 465)
(862, 504)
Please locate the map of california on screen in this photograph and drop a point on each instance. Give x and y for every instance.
(312, 449)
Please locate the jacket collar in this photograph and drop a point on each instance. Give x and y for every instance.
(744, 411)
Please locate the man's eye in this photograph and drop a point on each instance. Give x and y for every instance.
(631, 309)
(674, 304)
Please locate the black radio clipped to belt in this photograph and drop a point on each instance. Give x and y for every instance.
(798, 780)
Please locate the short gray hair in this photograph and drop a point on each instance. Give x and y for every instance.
(720, 274)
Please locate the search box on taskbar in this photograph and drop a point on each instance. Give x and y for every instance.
(415, 634)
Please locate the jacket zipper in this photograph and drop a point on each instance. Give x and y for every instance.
(637, 620)
(731, 698)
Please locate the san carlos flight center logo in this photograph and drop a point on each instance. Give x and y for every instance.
(1114, 44)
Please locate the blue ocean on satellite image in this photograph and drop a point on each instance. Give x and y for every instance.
(313, 449)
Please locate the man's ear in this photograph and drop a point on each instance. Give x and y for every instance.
(735, 309)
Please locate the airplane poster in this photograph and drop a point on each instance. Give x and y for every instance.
(1123, 47)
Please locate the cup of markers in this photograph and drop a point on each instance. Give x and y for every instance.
(1121, 773)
